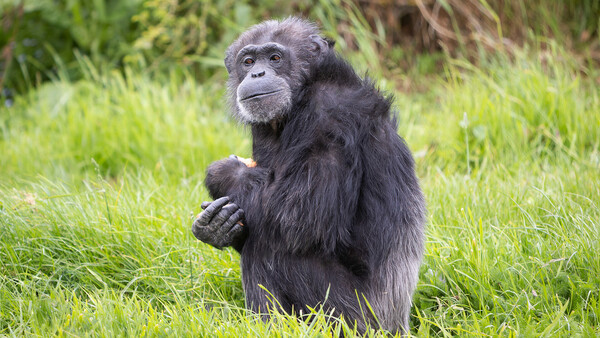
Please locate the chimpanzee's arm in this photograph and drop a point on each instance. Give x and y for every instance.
(314, 198)
(230, 182)
(231, 177)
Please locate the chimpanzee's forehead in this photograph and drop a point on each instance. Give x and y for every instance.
(288, 32)
(261, 48)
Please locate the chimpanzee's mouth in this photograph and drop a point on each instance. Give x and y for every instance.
(259, 95)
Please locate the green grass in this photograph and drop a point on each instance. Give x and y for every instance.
(99, 178)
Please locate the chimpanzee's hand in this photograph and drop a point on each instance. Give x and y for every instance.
(223, 176)
(220, 223)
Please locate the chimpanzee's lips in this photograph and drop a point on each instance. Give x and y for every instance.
(259, 95)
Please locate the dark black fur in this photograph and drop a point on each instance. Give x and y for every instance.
(333, 205)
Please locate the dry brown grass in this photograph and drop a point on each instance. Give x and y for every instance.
(462, 27)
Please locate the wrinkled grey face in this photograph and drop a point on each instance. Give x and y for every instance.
(263, 94)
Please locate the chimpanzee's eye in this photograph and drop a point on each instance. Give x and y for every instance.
(275, 58)
(248, 61)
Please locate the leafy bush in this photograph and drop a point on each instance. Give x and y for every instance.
(47, 32)
(187, 32)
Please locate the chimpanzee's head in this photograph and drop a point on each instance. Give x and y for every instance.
(268, 65)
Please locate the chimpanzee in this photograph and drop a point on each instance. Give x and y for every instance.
(329, 212)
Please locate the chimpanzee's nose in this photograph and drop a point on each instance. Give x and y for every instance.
(259, 74)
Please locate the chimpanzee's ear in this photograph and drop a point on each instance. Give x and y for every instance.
(319, 45)
(330, 42)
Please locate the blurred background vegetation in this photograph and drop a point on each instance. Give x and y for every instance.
(45, 39)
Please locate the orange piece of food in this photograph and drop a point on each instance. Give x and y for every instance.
(248, 162)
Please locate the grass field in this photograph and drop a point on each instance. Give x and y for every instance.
(99, 177)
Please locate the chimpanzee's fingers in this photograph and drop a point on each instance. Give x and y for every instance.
(206, 216)
(204, 205)
(199, 230)
(235, 231)
(222, 216)
(218, 232)
(235, 219)
(231, 223)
